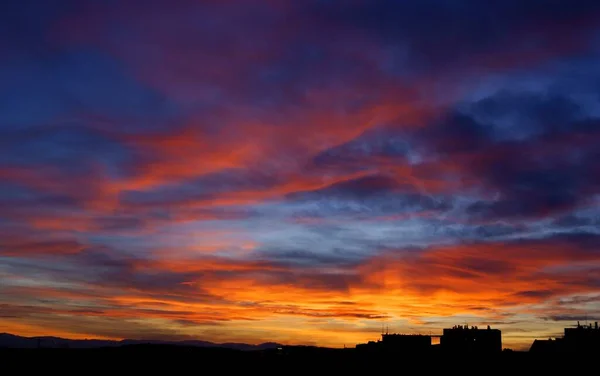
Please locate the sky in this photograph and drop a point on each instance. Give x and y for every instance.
(305, 172)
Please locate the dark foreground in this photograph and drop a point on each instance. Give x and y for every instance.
(157, 358)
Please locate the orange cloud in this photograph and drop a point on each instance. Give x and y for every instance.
(486, 281)
(21, 247)
(488, 275)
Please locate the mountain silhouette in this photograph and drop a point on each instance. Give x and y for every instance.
(8, 340)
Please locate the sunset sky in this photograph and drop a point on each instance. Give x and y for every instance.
(298, 171)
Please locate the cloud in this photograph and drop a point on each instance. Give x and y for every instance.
(205, 290)
(535, 165)
(31, 244)
(376, 195)
(573, 318)
(490, 271)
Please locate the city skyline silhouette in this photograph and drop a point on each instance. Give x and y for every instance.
(457, 340)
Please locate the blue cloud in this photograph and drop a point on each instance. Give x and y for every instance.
(78, 86)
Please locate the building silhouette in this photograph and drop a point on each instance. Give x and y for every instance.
(406, 342)
(459, 339)
(401, 343)
(462, 338)
(547, 345)
(582, 339)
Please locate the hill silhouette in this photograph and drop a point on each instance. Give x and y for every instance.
(8, 340)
